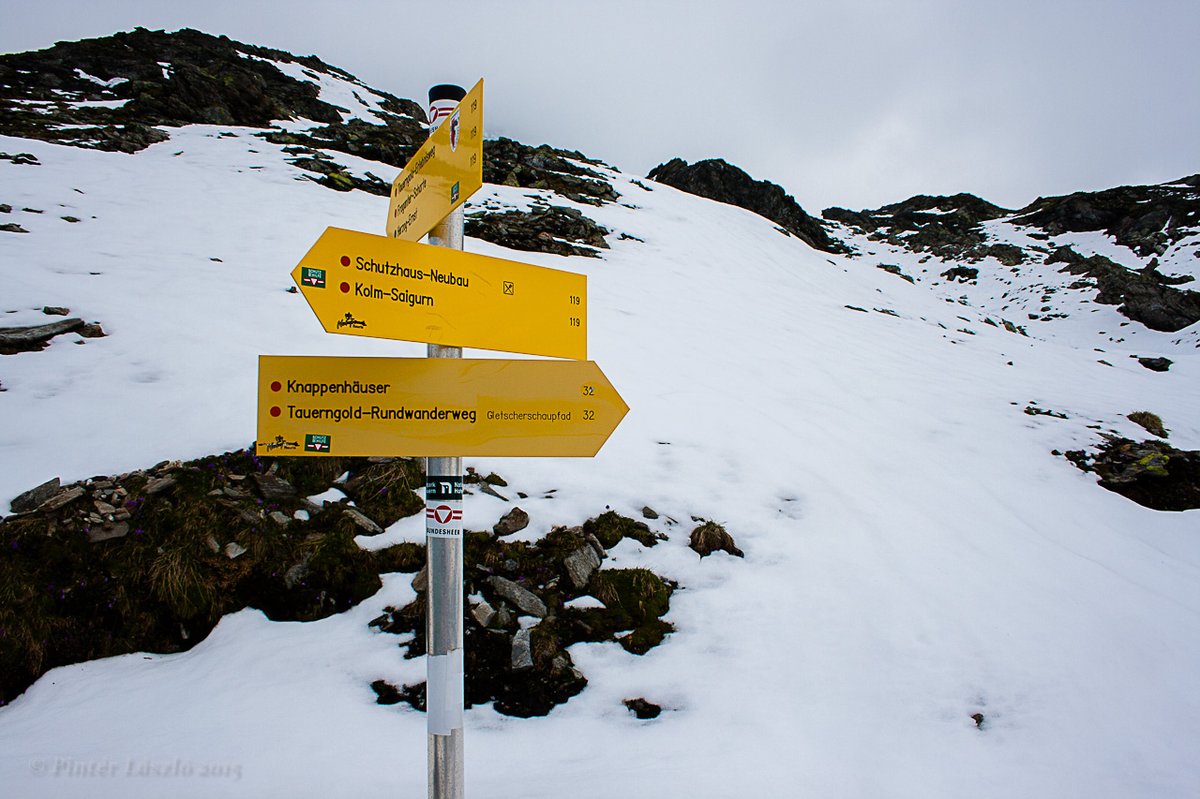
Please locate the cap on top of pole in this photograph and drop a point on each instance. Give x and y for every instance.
(443, 99)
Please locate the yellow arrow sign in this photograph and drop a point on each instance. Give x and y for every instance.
(364, 285)
(447, 169)
(433, 407)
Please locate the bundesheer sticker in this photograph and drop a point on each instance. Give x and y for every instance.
(454, 193)
(314, 442)
(443, 507)
(454, 125)
(313, 277)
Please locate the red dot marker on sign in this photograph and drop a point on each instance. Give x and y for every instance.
(276, 386)
(345, 288)
(275, 410)
(345, 260)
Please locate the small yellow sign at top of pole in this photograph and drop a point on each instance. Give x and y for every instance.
(446, 170)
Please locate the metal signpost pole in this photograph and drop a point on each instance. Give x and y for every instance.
(444, 556)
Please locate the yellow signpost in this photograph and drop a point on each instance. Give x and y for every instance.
(364, 285)
(442, 175)
(433, 407)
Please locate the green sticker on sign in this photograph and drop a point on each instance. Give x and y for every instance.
(313, 277)
(314, 442)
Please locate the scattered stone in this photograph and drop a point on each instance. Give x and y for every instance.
(649, 513)
(420, 582)
(1156, 364)
(234, 550)
(581, 564)
(91, 330)
(34, 497)
(55, 310)
(522, 653)
(963, 273)
(893, 269)
(978, 719)
(34, 338)
(213, 545)
(483, 613)
(12, 227)
(643, 709)
(367, 525)
(62, 498)
(711, 537)
(386, 693)
(553, 229)
(108, 532)
(279, 518)
(5, 208)
(513, 521)
(273, 487)
(523, 599)
(157, 485)
(71, 219)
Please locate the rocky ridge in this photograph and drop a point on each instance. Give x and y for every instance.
(723, 182)
(125, 91)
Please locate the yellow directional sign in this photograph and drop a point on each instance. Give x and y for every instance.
(442, 175)
(364, 285)
(433, 407)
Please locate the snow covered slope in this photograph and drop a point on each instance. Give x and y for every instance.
(915, 555)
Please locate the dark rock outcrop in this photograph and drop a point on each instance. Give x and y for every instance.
(1151, 473)
(947, 227)
(1146, 296)
(1147, 219)
(723, 182)
(545, 228)
(510, 163)
(207, 80)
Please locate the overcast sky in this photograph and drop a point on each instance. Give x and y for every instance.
(849, 103)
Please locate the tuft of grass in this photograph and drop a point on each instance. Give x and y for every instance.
(1150, 422)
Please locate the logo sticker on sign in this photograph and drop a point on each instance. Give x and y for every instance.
(443, 507)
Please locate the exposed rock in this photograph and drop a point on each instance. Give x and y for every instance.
(649, 513)
(108, 532)
(64, 497)
(723, 182)
(158, 485)
(282, 519)
(1147, 219)
(1156, 364)
(513, 521)
(1151, 473)
(386, 693)
(510, 163)
(365, 524)
(483, 613)
(581, 564)
(551, 229)
(711, 537)
(522, 654)
(1146, 296)
(273, 487)
(522, 598)
(893, 269)
(643, 709)
(234, 550)
(55, 310)
(12, 227)
(30, 500)
(35, 337)
(963, 273)
(947, 227)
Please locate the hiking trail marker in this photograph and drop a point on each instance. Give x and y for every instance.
(433, 407)
(446, 170)
(364, 285)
